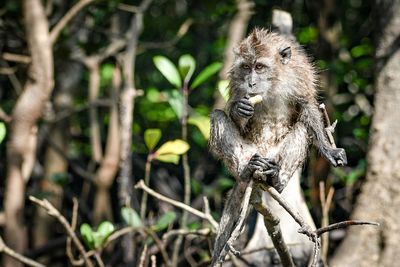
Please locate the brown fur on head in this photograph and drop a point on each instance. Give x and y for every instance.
(291, 72)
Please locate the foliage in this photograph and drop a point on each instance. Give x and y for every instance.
(96, 239)
(166, 67)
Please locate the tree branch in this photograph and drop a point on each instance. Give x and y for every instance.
(55, 32)
(52, 211)
(10, 252)
(203, 215)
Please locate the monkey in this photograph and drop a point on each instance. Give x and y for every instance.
(272, 136)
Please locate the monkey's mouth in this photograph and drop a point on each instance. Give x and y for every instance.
(254, 94)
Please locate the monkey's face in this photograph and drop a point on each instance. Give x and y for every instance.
(256, 75)
(260, 61)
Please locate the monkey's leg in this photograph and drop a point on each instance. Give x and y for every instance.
(227, 144)
(293, 152)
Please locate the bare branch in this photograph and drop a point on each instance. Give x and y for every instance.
(55, 213)
(55, 32)
(208, 217)
(68, 248)
(143, 256)
(16, 58)
(271, 222)
(343, 224)
(10, 252)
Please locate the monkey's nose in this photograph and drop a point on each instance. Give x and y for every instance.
(252, 84)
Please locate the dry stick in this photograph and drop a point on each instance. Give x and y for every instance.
(271, 222)
(325, 204)
(10, 252)
(143, 204)
(55, 32)
(343, 224)
(16, 58)
(160, 246)
(153, 261)
(228, 247)
(127, 105)
(304, 227)
(183, 29)
(203, 215)
(200, 232)
(143, 256)
(52, 211)
(73, 227)
(186, 172)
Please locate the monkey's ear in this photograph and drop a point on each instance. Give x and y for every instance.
(286, 54)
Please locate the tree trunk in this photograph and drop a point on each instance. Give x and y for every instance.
(380, 197)
(26, 112)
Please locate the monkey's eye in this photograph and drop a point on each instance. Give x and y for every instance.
(246, 66)
(259, 66)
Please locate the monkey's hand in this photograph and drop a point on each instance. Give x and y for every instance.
(336, 156)
(267, 172)
(243, 108)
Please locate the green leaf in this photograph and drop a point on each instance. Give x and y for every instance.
(106, 74)
(151, 138)
(105, 229)
(168, 158)
(175, 99)
(223, 88)
(187, 65)
(206, 74)
(362, 50)
(176, 147)
(203, 123)
(165, 221)
(87, 235)
(60, 178)
(225, 183)
(168, 69)
(3, 131)
(308, 35)
(131, 217)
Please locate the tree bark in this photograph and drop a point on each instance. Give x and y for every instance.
(26, 112)
(380, 197)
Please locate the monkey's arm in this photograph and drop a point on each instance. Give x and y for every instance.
(227, 145)
(240, 111)
(312, 117)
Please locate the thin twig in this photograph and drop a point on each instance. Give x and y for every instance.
(325, 204)
(12, 253)
(153, 261)
(343, 224)
(99, 261)
(52, 211)
(4, 116)
(68, 248)
(183, 29)
(143, 256)
(210, 219)
(55, 32)
(143, 203)
(16, 58)
(200, 232)
(160, 246)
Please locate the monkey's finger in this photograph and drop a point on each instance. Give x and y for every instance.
(245, 105)
(257, 163)
(270, 172)
(269, 162)
(245, 113)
